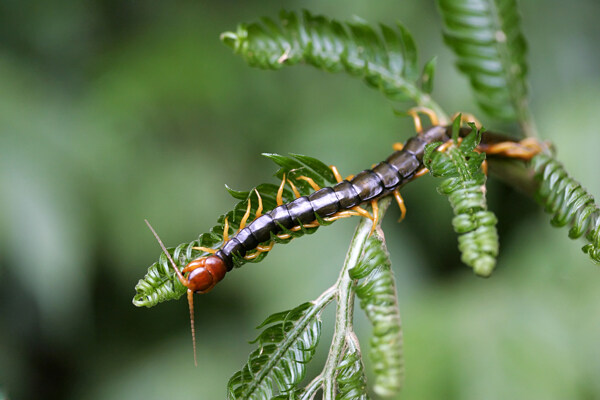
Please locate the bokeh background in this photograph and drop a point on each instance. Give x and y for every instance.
(116, 111)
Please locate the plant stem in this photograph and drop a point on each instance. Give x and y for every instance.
(345, 301)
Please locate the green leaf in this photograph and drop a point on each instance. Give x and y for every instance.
(386, 60)
(570, 203)
(350, 378)
(161, 283)
(486, 37)
(428, 75)
(286, 345)
(377, 293)
(464, 185)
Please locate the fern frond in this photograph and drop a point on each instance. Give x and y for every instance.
(486, 37)
(378, 298)
(464, 184)
(161, 284)
(386, 60)
(570, 203)
(350, 378)
(293, 395)
(286, 345)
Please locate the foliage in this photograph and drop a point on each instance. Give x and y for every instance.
(570, 203)
(464, 184)
(377, 294)
(351, 380)
(486, 36)
(386, 60)
(491, 49)
(286, 345)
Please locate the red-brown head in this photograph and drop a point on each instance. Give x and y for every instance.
(205, 273)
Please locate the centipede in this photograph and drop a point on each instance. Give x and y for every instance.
(347, 198)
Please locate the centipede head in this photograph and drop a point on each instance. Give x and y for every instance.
(205, 273)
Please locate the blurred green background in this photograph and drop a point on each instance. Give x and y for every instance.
(116, 111)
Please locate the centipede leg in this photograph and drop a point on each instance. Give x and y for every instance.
(341, 214)
(484, 167)
(444, 146)
(336, 173)
(311, 182)
(398, 146)
(414, 113)
(279, 197)
(246, 215)
(401, 204)
(296, 192)
(375, 208)
(259, 209)
(363, 213)
(421, 172)
(226, 230)
(360, 211)
(525, 150)
(259, 249)
(206, 249)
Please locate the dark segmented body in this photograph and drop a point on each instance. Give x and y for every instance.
(369, 184)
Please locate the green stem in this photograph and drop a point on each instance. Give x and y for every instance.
(527, 124)
(345, 300)
(312, 388)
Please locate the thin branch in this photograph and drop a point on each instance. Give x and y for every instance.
(345, 300)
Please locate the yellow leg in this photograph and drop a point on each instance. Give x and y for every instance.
(280, 192)
(296, 192)
(421, 172)
(259, 250)
(414, 113)
(338, 176)
(398, 146)
(297, 228)
(260, 204)
(375, 207)
(265, 248)
(206, 249)
(484, 167)
(363, 213)
(444, 146)
(526, 149)
(401, 204)
(336, 173)
(342, 214)
(246, 215)
(226, 231)
(311, 182)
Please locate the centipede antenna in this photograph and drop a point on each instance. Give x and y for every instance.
(190, 294)
(190, 298)
(164, 249)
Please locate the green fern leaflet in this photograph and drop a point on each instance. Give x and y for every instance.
(570, 203)
(486, 37)
(464, 185)
(385, 60)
